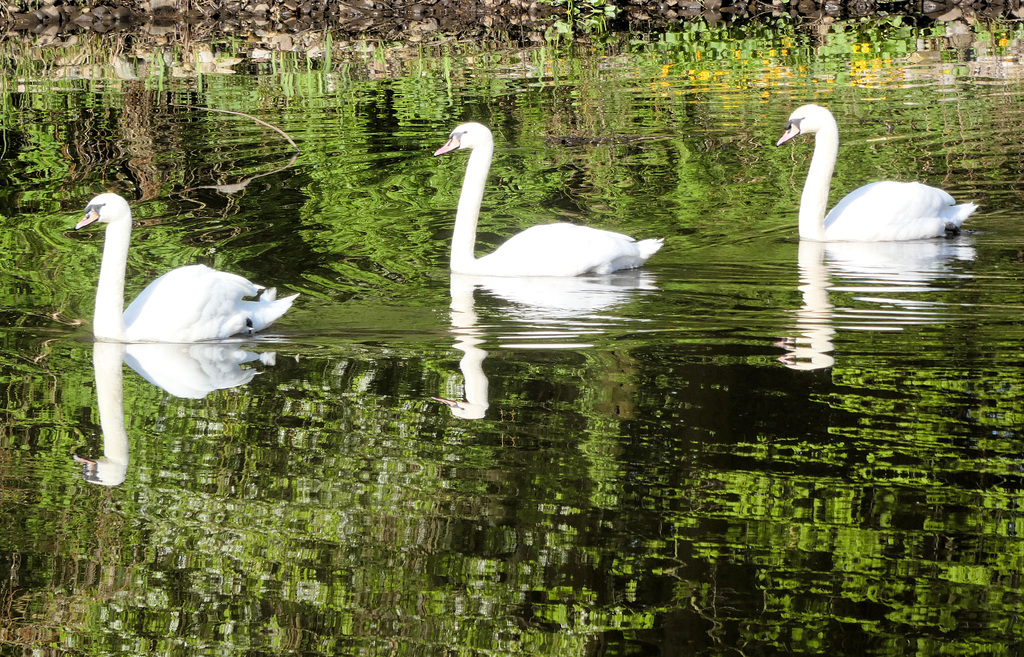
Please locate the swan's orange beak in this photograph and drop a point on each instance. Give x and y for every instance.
(452, 144)
(792, 130)
(91, 216)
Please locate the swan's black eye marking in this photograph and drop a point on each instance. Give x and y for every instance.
(794, 123)
(95, 207)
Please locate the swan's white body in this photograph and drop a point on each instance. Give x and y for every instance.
(878, 212)
(187, 304)
(548, 250)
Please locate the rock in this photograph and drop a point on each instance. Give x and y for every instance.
(47, 31)
(160, 29)
(150, 6)
(48, 13)
(951, 15)
(24, 21)
(420, 28)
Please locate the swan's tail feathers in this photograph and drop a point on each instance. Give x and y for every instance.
(957, 215)
(267, 310)
(649, 247)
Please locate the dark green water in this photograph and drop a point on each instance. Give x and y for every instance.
(754, 446)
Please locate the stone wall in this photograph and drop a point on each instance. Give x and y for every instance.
(413, 20)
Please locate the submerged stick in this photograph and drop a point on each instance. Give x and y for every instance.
(248, 116)
(239, 186)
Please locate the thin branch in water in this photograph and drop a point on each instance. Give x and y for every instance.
(241, 185)
(248, 116)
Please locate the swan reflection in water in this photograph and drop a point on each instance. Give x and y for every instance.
(877, 272)
(184, 370)
(553, 311)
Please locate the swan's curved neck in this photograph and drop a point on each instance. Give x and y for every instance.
(814, 200)
(464, 237)
(108, 316)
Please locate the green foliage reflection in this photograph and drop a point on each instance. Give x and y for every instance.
(671, 483)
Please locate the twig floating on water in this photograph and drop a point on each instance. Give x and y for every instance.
(248, 116)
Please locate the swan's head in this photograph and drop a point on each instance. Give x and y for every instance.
(105, 208)
(467, 135)
(806, 119)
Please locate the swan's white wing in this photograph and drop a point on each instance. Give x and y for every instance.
(888, 210)
(565, 250)
(194, 303)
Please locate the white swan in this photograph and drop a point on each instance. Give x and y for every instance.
(186, 304)
(877, 212)
(548, 250)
